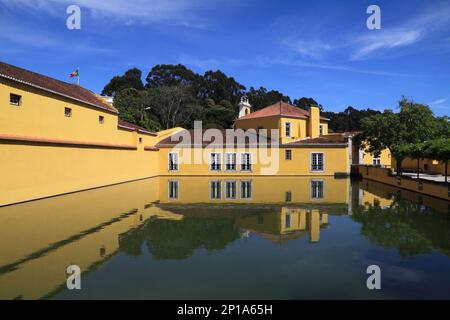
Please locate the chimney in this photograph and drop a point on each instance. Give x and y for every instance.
(314, 121)
(244, 107)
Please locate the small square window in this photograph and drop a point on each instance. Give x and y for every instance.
(14, 99)
(68, 112)
(288, 154)
(140, 140)
(101, 119)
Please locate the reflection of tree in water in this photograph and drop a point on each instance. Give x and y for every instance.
(407, 227)
(177, 239)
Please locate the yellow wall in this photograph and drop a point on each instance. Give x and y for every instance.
(34, 170)
(32, 243)
(425, 165)
(383, 175)
(298, 129)
(314, 121)
(335, 159)
(385, 158)
(196, 189)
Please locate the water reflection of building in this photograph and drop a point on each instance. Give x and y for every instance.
(369, 193)
(288, 224)
(289, 189)
(39, 239)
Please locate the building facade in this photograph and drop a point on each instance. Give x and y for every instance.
(58, 138)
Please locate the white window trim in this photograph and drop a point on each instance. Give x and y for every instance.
(290, 129)
(235, 161)
(168, 161)
(240, 190)
(221, 190)
(168, 190)
(311, 161)
(241, 162)
(220, 159)
(235, 189)
(310, 189)
(321, 127)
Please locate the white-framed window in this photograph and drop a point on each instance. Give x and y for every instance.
(288, 154)
(376, 161)
(15, 99)
(246, 161)
(317, 189)
(321, 129)
(317, 161)
(230, 189)
(215, 190)
(215, 163)
(172, 163)
(230, 161)
(287, 129)
(246, 189)
(173, 189)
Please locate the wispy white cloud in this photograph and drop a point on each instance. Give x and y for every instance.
(385, 39)
(439, 101)
(180, 12)
(364, 45)
(409, 32)
(266, 62)
(313, 49)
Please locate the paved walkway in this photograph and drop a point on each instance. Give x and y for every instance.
(431, 177)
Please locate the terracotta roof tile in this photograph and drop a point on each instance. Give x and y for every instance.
(130, 126)
(68, 90)
(279, 109)
(323, 140)
(178, 137)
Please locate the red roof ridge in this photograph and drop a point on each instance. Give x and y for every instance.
(52, 85)
(280, 108)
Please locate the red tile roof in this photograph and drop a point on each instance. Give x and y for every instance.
(133, 127)
(67, 90)
(279, 109)
(334, 140)
(179, 139)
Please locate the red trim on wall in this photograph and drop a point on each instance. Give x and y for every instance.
(149, 148)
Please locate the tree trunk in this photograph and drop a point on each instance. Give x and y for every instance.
(418, 168)
(446, 170)
(399, 167)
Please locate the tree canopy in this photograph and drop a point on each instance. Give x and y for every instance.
(403, 133)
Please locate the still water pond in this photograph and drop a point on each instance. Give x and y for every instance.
(202, 238)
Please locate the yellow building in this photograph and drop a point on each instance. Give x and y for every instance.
(277, 140)
(57, 138)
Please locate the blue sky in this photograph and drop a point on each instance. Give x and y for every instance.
(319, 49)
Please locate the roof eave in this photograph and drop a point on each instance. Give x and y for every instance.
(58, 93)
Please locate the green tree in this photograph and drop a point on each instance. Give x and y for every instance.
(438, 149)
(173, 106)
(131, 79)
(414, 123)
(260, 98)
(218, 86)
(164, 75)
(305, 103)
(131, 106)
